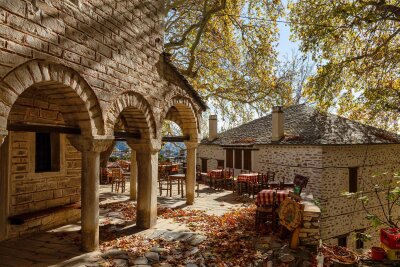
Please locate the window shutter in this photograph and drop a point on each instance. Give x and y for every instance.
(238, 158)
(247, 160)
(229, 158)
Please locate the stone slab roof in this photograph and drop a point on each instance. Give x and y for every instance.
(306, 126)
(193, 93)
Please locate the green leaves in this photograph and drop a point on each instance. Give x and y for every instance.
(355, 44)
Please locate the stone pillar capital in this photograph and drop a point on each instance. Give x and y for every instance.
(93, 144)
(3, 135)
(144, 146)
(191, 144)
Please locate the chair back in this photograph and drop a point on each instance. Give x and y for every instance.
(300, 182)
(260, 178)
(116, 173)
(271, 176)
(228, 173)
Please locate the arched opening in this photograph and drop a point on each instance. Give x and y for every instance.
(41, 170)
(130, 119)
(180, 114)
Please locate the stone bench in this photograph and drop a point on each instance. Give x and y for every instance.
(31, 216)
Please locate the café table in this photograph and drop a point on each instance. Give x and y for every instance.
(266, 197)
(244, 179)
(247, 177)
(181, 178)
(214, 174)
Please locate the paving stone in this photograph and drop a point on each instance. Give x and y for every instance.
(141, 260)
(285, 258)
(195, 240)
(156, 234)
(152, 256)
(120, 263)
(115, 254)
(158, 249)
(191, 252)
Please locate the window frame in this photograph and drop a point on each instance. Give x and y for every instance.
(54, 150)
(353, 179)
(359, 243)
(343, 237)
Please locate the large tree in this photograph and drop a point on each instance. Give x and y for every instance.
(356, 45)
(227, 50)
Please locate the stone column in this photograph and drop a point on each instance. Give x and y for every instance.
(90, 149)
(133, 178)
(3, 135)
(147, 172)
(190, 171)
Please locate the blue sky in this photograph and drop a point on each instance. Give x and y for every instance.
(285, 46)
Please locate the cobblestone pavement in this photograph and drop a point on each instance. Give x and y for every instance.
(60, 247)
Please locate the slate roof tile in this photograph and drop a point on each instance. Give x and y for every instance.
(306, 126)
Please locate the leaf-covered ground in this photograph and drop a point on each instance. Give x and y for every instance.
(230, 241)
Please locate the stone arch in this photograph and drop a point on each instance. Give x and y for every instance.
(181, 110)
(136, 114)
(66, 87)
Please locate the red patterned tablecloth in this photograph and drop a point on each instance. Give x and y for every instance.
(265, 197)
(215, 173)
(247, 177)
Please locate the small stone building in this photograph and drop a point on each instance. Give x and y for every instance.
(337, 154)
(75, 75)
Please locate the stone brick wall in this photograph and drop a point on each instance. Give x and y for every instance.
(348, 213)
(32, 191)
(310, 231)
(115, 46)
(286, 161)
(212, 153)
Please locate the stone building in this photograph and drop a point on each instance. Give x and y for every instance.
(337, 154)
(74, 75)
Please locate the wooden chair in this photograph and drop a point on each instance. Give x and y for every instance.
(215, 179)
(229, 179)
(262, 183)
(299, 182)
(118, 180)
(266, 215)
(163, 179)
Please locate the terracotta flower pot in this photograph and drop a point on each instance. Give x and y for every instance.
(377, 253)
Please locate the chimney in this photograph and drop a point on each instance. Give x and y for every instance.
(212, 127)
(277, 123)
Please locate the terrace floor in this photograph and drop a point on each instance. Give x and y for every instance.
(218, 230)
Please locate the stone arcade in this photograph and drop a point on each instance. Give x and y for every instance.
(73, 74)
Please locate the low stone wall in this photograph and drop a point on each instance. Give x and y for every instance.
(310, 230)
(49, 221)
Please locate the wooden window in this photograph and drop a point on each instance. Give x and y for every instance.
(204, 165)
(342, 241)
(247, 160)
(229, 158)
(360, 239)
(47, 152)
(238, 158)
(353, 179)
(221, 163)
